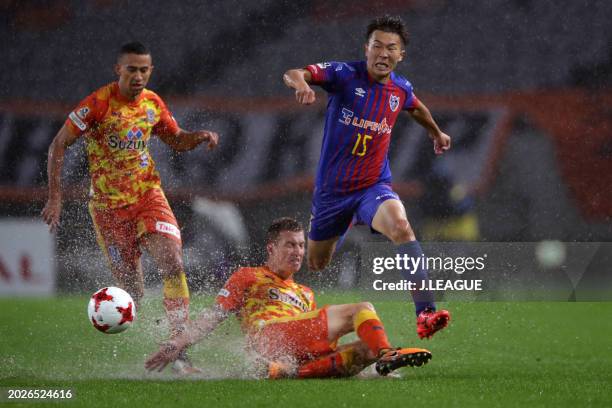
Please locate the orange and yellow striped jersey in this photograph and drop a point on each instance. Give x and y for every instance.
(117, 134)
(258, 294)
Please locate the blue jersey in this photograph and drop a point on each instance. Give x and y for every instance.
(360, 115)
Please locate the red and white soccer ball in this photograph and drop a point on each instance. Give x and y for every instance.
(111, 310)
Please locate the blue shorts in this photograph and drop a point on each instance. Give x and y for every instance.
(332, 213)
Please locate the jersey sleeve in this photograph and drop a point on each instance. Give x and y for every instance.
(167, 125)
(232, 296)
(411, 99)
(87, 113)
(411, 102)
(328, 75)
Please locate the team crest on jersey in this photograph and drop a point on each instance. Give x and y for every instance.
(151, 116)
(134, 133)
(144, 159)
(394, 102)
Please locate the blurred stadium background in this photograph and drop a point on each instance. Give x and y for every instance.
(523, 87)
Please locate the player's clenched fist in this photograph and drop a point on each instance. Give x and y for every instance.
(299, 80)
(305, 95)
(442, 142)
(211, 138)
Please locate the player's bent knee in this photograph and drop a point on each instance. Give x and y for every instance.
(355, 308)
(365, 306)
(402, 232)
(320, 253)
(318, 263)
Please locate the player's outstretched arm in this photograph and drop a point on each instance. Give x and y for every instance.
(299, 79)
(197, 329)
(422, 115)
(53, 208)
(185, 140)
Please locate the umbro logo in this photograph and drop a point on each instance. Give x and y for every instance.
(360, 92)
(390, 195)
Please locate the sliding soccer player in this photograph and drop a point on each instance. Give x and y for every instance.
(285, 329)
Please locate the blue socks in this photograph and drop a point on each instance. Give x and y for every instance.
(422, 299)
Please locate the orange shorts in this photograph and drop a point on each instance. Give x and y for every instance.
(302, 337)
(119, 229)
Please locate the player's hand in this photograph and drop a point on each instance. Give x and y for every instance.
(168, 352)
(211, 138)
(51, 213)
(305, 95)
(442, 142)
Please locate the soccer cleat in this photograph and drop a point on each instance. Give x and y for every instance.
(401, 357)
(430, 321)
(370, 373)
(182, 366)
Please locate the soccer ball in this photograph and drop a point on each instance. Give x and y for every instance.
(111, 310)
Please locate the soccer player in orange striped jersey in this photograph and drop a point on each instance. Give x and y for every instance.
(127, 205)
(284, 327)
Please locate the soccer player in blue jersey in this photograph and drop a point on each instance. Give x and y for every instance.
(353, 176)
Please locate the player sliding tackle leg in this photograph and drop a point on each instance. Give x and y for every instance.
(353, 177)
(372, 347)
(304, 346)
(283, 326)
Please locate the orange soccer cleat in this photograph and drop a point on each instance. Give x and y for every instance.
(402, 357)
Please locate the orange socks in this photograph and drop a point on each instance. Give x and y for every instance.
(338, 364)
(321, 368)
(370, 330)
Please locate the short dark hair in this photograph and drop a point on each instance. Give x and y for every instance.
(389, 24)
(282, 224)
(134, 47)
